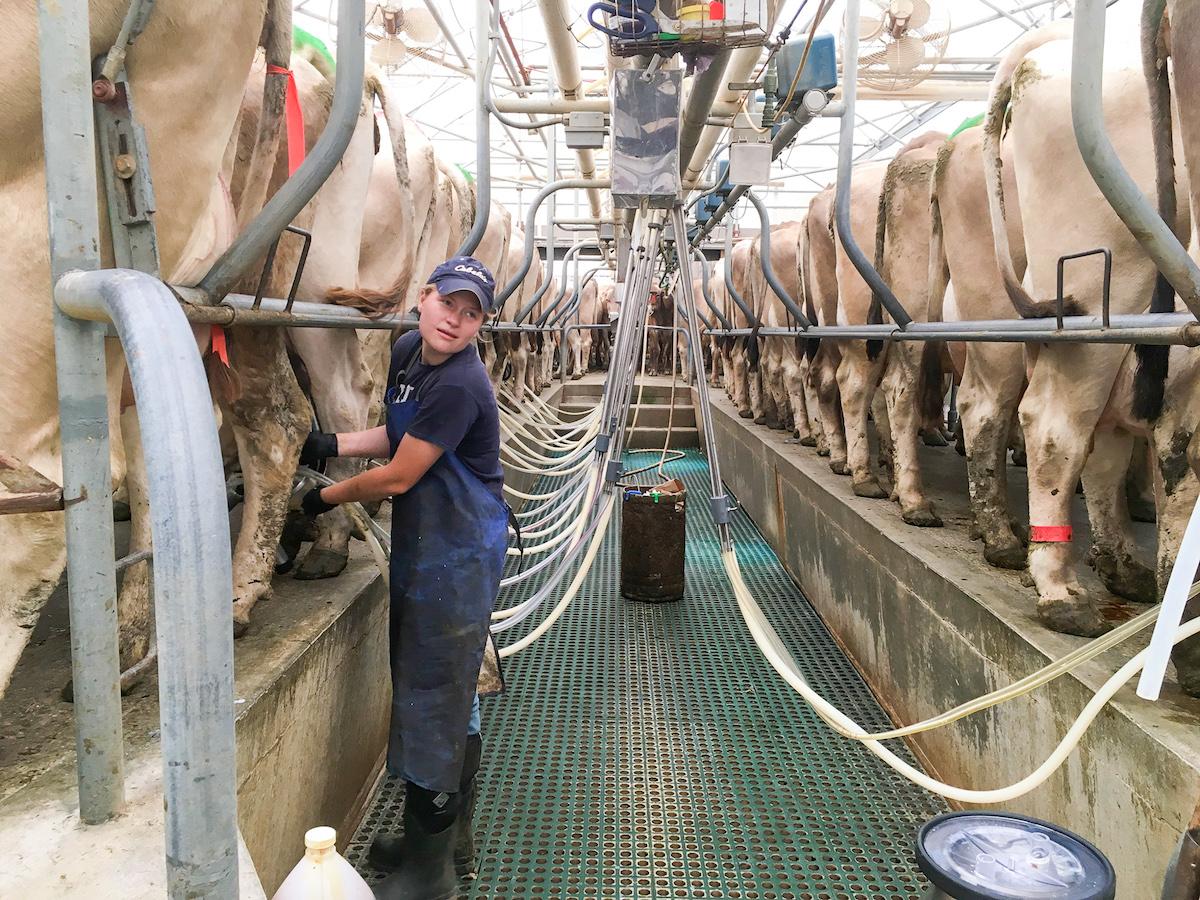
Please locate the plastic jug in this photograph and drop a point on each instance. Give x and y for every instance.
(322, 874)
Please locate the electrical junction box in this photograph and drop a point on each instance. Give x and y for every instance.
(645, 138)
(607, 231)
(820, 69)
(750, 152)
(585, 130)
(750, 163)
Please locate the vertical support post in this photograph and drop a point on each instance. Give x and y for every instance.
(69, 139)
(719, 502)
(483, 126)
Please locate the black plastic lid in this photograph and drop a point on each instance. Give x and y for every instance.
(1005, 856)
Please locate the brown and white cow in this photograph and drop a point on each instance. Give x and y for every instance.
(1078, 413)
(993, 374)
(178, 51)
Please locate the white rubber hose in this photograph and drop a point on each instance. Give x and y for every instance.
(781, 660)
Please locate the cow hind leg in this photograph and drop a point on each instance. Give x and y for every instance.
(1111, 555)
(857, 378)
(1057, 446)
(902, 391)
(824, 377)
(269, 421)
(984, 408)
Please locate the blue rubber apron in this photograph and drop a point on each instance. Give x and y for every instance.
(449, 536)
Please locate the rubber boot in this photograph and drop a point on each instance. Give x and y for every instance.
(426, 870)
(388, 851)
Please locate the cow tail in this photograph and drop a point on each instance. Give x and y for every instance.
(875, 313)
(939, 269)
(380, 303)
(1149, 382)
(999, 100)
(811, 345)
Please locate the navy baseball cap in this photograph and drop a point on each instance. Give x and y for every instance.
(466, 273)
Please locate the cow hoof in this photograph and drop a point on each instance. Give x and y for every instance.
(822, 451)
(922, 517)
(1027, 579)
(933, 439)
(1019, 459)
(745, 414)
(1124, 576)
(1005, 556)
(870, 489)
(576, 376)
(808, 441)
(1074, 615)
(121, 513)
(240, 627)
(760, 420)
(1141, 510)
(974, 532)
(319, 563)
(839, 467)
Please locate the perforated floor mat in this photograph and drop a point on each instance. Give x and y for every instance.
(648, 751)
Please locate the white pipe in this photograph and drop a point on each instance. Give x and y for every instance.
(740, 69)
(570, 79)
(1158, 654)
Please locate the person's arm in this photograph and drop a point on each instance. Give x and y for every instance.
(371, 444)
(414, 457)
(322, 445)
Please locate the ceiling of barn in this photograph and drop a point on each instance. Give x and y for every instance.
(435, 82)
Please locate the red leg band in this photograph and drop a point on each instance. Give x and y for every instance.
(1050, 534)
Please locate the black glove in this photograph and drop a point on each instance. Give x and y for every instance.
(313, 504)
(318, 447)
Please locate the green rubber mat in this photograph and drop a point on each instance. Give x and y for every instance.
(648, 750)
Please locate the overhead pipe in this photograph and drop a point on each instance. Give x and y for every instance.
(485, 22)
(448, 34)
(764, 243)
(281, 209)
(874, 280)
(1121, 191)
(570, 81)
(193, 573)
(692, 123)
(739, 70)
(68, 128)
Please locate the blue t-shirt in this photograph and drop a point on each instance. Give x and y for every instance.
(458, 406)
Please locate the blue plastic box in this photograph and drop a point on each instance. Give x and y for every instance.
(820, 69)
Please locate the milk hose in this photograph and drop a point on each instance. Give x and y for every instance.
(780, 659)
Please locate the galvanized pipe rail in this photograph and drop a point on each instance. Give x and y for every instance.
(1121, 191)
(764, 255)
(699, 257)
(841, 206)
(71, 188)
(193, 572)
(485, 27)
(282, 208)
